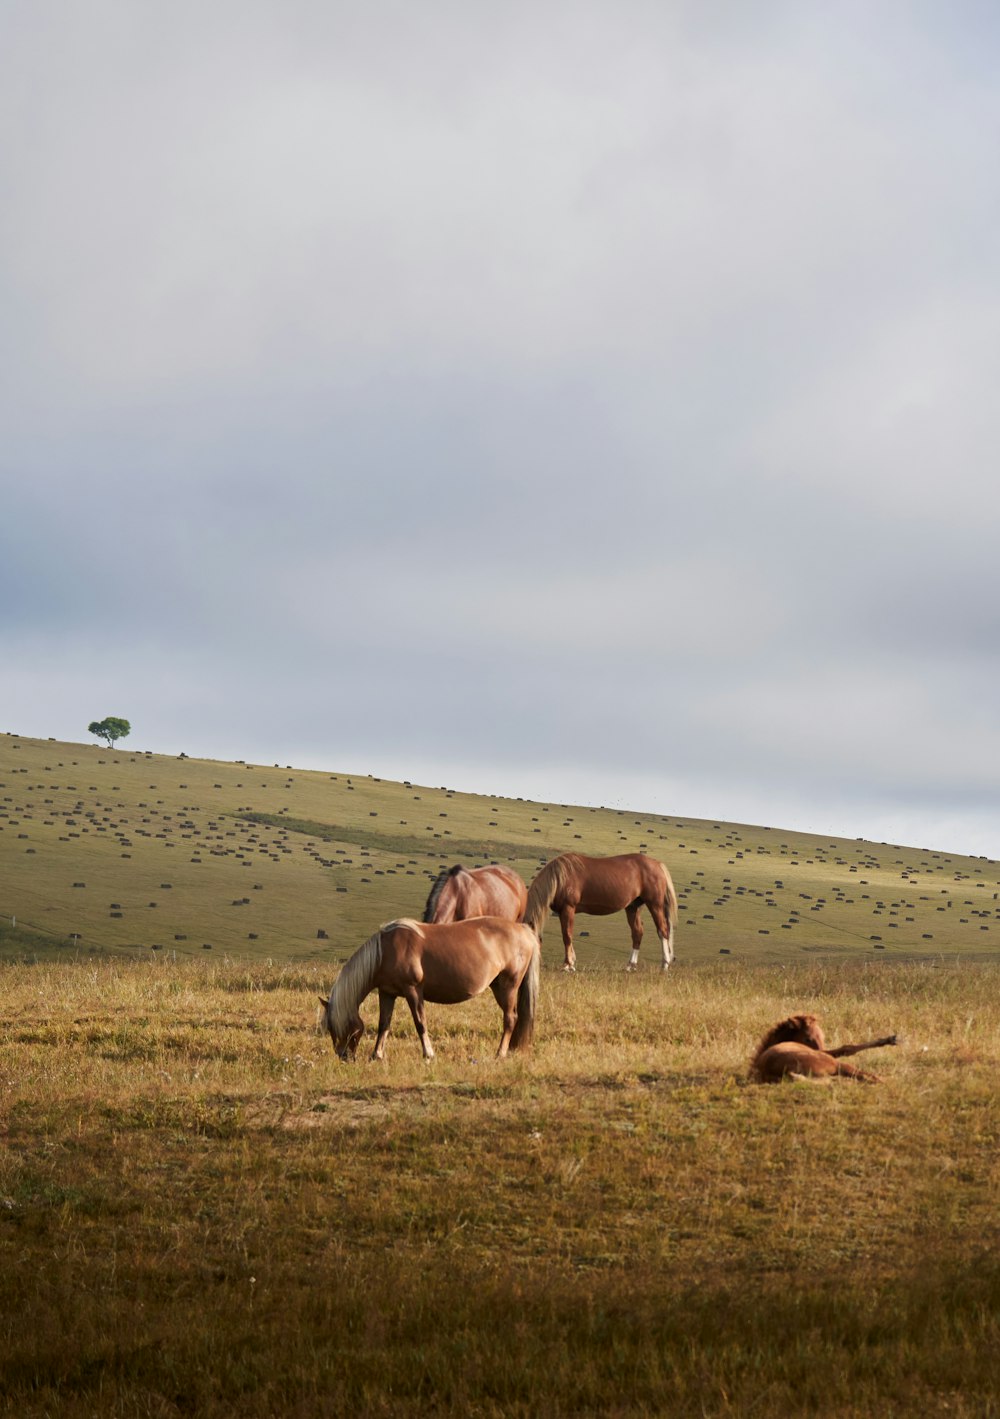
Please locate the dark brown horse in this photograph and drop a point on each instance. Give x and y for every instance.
(795, 1049)
(599, 886)
(443, 964)
(460, 893)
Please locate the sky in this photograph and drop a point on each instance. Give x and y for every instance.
(591, 402)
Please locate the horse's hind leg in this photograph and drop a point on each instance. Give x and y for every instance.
(851, 1071)
(415, 1001)
(662, 930)
(635, 926)
(841, 1050)
(505, 993)
(386, 1005)
(567, 916)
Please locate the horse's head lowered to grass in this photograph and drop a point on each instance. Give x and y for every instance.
(345, 1043)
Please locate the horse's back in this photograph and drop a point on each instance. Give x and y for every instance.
(791, 1057)
(607, 884)
(503, 892)
(453, 961)
(478, 891)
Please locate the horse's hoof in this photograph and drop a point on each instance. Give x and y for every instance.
(570, 969)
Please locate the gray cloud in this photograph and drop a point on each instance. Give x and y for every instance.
(590, 399)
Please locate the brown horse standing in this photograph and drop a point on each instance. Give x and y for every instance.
(460, 893)
(795, 1047)
(600, 886)
(443, 964)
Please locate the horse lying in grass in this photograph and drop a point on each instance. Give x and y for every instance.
(600, 886)
(795, 1048)
(461, 892)
(444, 964)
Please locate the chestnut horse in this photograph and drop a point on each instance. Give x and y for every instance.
(795, 1048)
(443, 964)
(599, 886)
(460, 893)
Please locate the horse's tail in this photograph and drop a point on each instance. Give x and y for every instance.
(435, 893)
(527, 1001)
(670, 909)
(543, 892)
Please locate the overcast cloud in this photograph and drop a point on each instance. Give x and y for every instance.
(590, 401)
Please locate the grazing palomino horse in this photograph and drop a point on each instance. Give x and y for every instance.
(443, 964)
(600, 886)
(796, 1048)
(480, 891)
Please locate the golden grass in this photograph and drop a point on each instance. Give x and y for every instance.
(203, 1212)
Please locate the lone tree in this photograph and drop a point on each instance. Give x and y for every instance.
(109, 729)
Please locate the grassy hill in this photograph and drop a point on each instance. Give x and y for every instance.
(127, 852)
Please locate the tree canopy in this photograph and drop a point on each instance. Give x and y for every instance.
(109, 729)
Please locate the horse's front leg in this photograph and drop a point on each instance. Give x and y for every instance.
(415, 1000)
(567, 915)
(386, 1005)
(635, 926)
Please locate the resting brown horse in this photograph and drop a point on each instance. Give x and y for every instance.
(599, 886)
(796, 1048)
(462, 892)
(443, 964)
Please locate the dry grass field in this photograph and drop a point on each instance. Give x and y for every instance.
(203, 1212)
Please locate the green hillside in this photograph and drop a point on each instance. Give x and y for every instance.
(126, 852)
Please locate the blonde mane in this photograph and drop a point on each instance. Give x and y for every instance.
(353, 984)
(545, 888)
